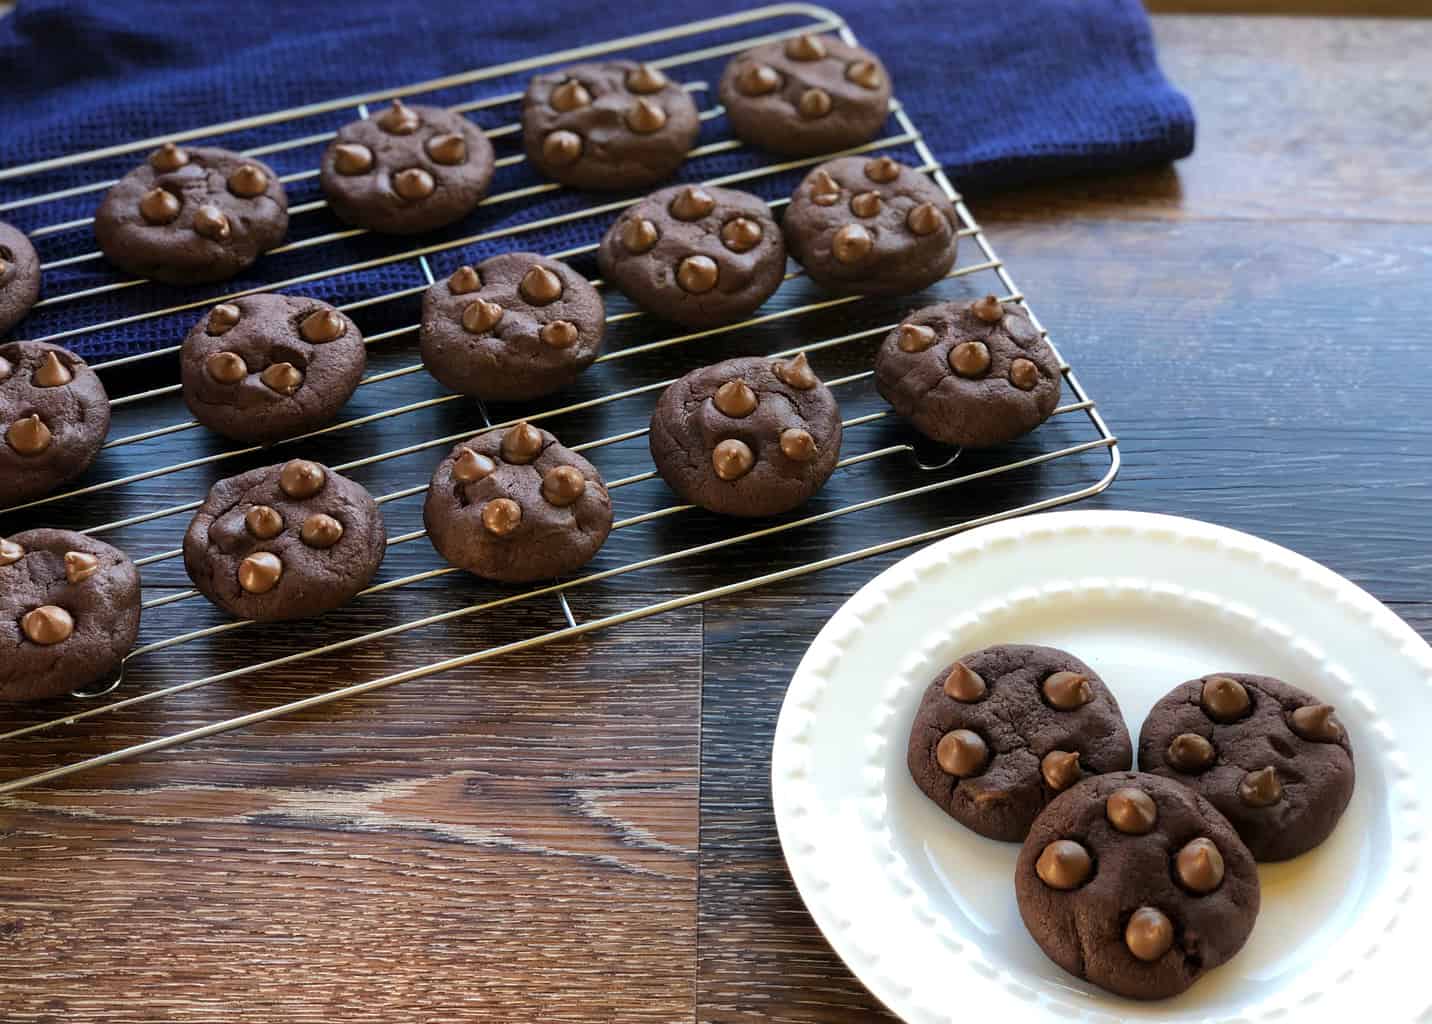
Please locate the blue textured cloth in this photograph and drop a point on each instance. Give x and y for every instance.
(1003, 93)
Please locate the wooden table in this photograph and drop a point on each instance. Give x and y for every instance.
(584, 832)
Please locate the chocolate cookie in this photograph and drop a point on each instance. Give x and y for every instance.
(407, 169)
(1003, 731)
(618, 125)
(1273, 759)
(284, 542)
(514, 505)
(192, 216)
(69, 612)
(264, 367)
(806, 95)
(747, 437)
(871, 226)
(516, 326)
(975, 374)
(1136, 884)
(54, 415)
(697, 255)
(19, 276)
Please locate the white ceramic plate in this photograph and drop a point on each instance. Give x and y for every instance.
(923, 910)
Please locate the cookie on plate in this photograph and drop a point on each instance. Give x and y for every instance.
(806, 95)
(1136, 884)
(19, 276)
(69, 612)
(871, 226)
(696, 255)
(747, 437)
(54, 415)
(515, 505)
(1273, 759)
(284, 542)
(975, 374)
(514, 327)
(1004, 730)
(407, 169)
(616, 125)
(192, 215)
(264, 367)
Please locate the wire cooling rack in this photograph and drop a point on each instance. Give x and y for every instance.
(891, 489)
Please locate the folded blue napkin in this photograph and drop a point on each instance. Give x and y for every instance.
(1003, 94)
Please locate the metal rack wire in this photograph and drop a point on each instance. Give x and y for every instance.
(676, 352)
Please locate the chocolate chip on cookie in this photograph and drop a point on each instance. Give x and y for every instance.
(871, 226)
(517, 326)
(192, 215)
(617, 125)
(975, 374)
(747, 437)
(69, 612)
(697, 255)
(268, 366)
(806, 95)
(19, 276)
(1272, 758)
(1043, 718)
(1136, 884)
(284, 542)
(515, 505)
(407, 169)
(54, 415)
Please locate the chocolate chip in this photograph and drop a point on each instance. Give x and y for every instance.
(10, 552)
(1316, 722)
(732, 459)
(639, 235)
(1224, 699)
(865, 204)
(211, 223)
(645, 79)
(570, 95)
(449, 149)
(399, 119)
(1060, 769)
(501, 516)
(852, 244)
(561, 148)
(989, 309)
(264, 522)
(351, 158)
(697, 274)
(259, 573)
(645, 117)
(540, 286)
(925, 219)
(1131, 811)
(322, 326)
(735, 399)
(321, 531)
(471, 465)
(563, 485)
(1067, 690)
(865, 73)
(814, 103)
(52, 373)
(970, 358)
(805, 47)
(915, 338)
(1064, 864)
(758, 80)
(414, 183)
(463, 281)
(481, 316)
(285, 378)
(964, 684)
(168, 157)
(1261, 788)
(226, 367)
(223, 318)
(159, 206)
(1199, 866)
(47, 624)
(741, 234)
(248, 182)
(796, 373)
(961, 753)
(559, 334)
(1149, 934)
(522, 444)
(1023, 374)
(824, 190)
(882, 169)
(6, 368)
(798, 445)
(1189, 752)
(29, 436)
(692, 204)
(80, 566)
(301, 479)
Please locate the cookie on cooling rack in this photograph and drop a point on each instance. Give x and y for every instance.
(516, 326)
(1136, 884)
(515, 505)
(407, 169)
(69, 612)
(284, 542)
(747, 437)
(192, 215)
(696, 255)
(615, 125)
(975, 374)
(54, 415)
(1272, 758)
(806, 95)
(264, 367)
(19, 276)
(871, 226)
(1004, 730)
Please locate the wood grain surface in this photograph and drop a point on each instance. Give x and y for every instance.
(583, 832)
